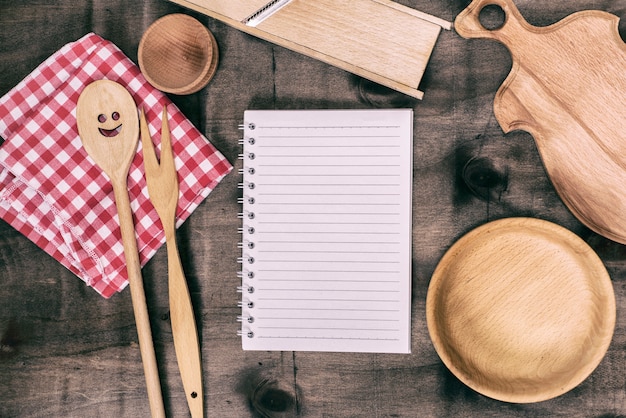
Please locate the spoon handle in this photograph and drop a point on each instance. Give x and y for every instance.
(184, 329)
(138, 297)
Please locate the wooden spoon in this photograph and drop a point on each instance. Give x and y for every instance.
(163, 191)
(109, 129)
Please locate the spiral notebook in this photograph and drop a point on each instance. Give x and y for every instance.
(326, 230)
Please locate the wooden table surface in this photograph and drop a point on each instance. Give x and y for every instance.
(66, 351)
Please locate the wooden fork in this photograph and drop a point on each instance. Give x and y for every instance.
(162, 182)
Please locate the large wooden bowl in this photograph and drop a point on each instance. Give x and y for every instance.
(521, 310)
(178, 54)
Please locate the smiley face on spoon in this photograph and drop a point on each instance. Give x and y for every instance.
(112, 119)
(108, 125)
(108, 111)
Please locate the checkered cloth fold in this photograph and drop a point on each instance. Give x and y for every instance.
(52, 191)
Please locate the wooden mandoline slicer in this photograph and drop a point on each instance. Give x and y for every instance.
(380, 40)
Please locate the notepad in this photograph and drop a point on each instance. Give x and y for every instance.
(326, 230)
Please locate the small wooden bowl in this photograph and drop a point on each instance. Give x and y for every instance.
(178, 54)
(521, 310)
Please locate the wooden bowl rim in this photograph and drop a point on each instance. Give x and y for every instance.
(571, 242)
(205, 74)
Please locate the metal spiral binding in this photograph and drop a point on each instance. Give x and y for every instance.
(245, 289)
(249, 185)
(250, 230)
(247, 245)
(245, 273)
(249, 199)
(244, 318)
(248, 334)
(245, 259)
(246, 214)
(245, 303)
(249, 170)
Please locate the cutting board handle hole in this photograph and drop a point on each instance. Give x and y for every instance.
(492, 17)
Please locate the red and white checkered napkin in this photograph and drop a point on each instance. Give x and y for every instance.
(53, 193)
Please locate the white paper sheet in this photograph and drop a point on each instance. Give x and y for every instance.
(326, 230)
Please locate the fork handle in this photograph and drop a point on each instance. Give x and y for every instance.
(184, 327)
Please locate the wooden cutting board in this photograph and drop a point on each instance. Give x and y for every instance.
(380, 40)
(567, 88)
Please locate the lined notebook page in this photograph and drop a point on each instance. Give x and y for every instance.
(326, 230)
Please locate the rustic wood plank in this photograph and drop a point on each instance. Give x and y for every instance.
(65, 351)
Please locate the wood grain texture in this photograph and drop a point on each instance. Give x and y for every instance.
(66, 351)
(162, 180)
(106, 116)
(521, 309)
(379, 40)
(177, 54)
(567, 88)
(396, 45)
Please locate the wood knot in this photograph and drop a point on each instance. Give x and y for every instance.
(10, 340)
(273, 398)
(484, 179)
